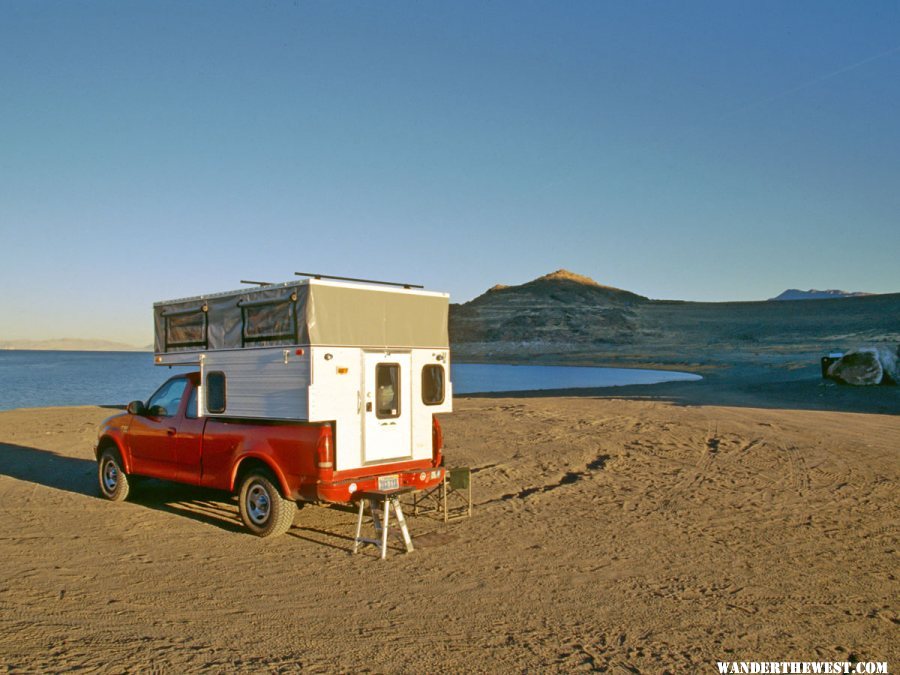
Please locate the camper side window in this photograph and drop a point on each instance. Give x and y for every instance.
(387, 390)
(269, 323)
(186, 328)
(215, 392)
(433, 385)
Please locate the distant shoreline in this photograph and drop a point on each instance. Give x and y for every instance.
(108, 350)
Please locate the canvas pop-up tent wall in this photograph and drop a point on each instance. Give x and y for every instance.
(309, 312)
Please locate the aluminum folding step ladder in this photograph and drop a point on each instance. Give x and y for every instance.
(381, 503)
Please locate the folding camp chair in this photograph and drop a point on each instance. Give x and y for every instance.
(452, 496)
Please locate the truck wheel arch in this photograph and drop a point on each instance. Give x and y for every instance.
(249, 462)
(111, 443)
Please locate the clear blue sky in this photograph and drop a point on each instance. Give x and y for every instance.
(697, 150)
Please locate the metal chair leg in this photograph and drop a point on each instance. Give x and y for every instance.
(444, 492)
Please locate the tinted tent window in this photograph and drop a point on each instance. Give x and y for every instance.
(387, 390)
(186, 329)
(215, 392)
(270, 322)
(165, 402)
(433, 385)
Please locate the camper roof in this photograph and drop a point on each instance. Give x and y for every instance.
(370, 286)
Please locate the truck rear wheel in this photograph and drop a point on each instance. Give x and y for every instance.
(111, 474)
(263, 510)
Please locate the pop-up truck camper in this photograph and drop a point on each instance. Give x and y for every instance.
(305, 391)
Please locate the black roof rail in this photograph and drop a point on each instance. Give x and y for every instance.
(365, 281)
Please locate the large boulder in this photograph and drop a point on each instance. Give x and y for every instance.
(890, 360)
(865, 366)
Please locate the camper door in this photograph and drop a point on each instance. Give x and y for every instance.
(387, 414)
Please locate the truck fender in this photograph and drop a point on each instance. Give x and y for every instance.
(259, 459)
(107, 441)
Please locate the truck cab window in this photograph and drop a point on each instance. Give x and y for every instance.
(192, 412)
(165, 402)
(433, 384)
(387, 390)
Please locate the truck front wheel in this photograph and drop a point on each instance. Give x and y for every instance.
(263, 510)
(113, 480)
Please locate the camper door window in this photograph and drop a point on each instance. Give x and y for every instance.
(387, 390)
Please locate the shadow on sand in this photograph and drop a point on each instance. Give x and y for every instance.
(45, 467)
(204, 505)
(79, 476)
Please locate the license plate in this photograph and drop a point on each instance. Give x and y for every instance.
(389, 482)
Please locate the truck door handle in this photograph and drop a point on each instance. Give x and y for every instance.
(170, 431)
(368, 406)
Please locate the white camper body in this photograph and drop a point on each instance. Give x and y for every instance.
(374, 361)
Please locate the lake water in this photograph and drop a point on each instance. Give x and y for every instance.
(31, 379)
(469, 378)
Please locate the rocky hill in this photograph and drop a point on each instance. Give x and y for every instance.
(567, 318)
(558, 310)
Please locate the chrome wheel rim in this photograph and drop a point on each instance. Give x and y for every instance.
(110, 475)
(258, 504)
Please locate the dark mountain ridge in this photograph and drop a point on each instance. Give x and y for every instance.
(567, 318)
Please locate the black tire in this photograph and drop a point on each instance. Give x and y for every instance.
(111, 475)
(263, 510)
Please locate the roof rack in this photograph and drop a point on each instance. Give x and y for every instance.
(366, 281)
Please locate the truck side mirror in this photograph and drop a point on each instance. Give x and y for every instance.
(136, 408)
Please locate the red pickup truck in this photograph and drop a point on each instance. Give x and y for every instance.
(271, 465)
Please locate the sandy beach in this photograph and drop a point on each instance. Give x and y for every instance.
(613, 531)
